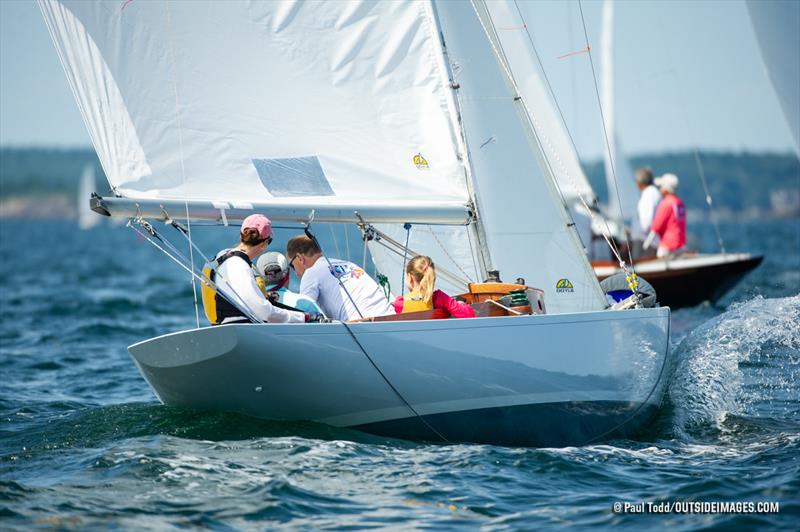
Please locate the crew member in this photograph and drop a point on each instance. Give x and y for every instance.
(342, 289)
(237, 290)
(669, 223)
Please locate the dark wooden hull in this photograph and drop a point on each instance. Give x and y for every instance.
(678, 286)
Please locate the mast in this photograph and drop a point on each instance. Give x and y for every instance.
(484, 261)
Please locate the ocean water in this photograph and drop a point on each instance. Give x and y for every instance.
(84, 443)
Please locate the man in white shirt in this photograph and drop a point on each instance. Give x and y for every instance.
(329, 281)
(648, 201)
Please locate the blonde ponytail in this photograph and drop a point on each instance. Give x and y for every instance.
(422, 270)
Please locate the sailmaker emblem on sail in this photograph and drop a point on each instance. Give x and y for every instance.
(420, 162)
(564, 285)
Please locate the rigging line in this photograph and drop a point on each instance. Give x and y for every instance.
(407, 227)
(395, 390)
(311, 235)
(679, 97)
(384, 238)
(605, 132)
(335, 242)
(346, 242)
(242, 308)
(603, 222)
(444, 250)
(709, 201)
(440, 272)
(364, 258)
(168, 244)
(173, 71)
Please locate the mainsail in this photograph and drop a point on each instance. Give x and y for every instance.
(250, 102)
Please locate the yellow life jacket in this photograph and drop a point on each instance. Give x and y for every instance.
(208, 294)
(412, 302)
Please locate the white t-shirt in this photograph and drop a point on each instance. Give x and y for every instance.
(320, 283)
(237, 281)
(648, 203)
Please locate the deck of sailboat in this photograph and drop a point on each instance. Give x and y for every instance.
(525, 380)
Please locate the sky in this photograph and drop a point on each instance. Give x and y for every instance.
(688, 75)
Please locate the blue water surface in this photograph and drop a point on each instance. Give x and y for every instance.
(85, 444)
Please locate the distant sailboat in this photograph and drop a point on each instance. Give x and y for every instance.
(86, 217)
(405, 119)
(688, 279)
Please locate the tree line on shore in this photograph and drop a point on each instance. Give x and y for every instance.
(738, 182)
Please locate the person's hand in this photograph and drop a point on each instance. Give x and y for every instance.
(273, 297)
(316, 317)
(649, 240)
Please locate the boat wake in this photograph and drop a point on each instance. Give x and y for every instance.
(739, 373)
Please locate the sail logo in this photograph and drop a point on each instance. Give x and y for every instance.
(564, 285)
(420, 162)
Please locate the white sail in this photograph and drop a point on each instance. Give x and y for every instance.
(261, 102)
(86, 218)
(777, 28)
(550, 127)
(527, 230)
(623, 196)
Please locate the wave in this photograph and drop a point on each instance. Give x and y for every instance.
(739, 371)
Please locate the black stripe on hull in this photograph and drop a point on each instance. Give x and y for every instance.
(540, 425)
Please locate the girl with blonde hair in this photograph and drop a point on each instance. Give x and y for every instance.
(421, 280)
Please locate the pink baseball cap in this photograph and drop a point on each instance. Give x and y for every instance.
(260, 222)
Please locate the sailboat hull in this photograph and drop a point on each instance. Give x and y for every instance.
(548, 380)
(689, 280)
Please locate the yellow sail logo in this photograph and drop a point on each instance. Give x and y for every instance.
(564, 285)
(420, 162)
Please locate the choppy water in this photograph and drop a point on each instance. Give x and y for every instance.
(84, 444)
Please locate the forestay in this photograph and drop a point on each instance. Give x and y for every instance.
(264, 102)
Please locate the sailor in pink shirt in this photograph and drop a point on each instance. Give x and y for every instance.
(669, 223)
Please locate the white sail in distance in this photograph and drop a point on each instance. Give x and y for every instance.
(86, 218)
(623, 196)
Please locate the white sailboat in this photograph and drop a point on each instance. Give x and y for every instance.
(86, 217)
(690, 278)
(404, 118)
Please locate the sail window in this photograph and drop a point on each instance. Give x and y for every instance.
(294, 176)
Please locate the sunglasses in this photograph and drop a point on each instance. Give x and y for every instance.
(291, 262)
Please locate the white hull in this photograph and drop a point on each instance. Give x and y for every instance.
(528, 380)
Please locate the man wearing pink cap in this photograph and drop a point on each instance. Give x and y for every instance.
(236, 284)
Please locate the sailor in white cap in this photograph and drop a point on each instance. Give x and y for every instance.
(274, 270)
